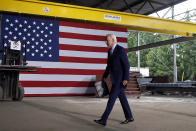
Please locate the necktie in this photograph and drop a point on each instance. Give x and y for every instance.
(111, 51)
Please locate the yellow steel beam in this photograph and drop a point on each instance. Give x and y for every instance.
(131, 21)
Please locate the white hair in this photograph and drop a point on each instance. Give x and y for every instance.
(113, 37)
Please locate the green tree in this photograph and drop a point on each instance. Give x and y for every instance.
(153, 58)
(132, 42)
(160, 60)
(187, 60)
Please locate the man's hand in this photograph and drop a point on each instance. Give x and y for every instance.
(125, 82)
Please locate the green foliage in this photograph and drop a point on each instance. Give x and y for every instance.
(160, 59)
(187, 60)
(132, 42)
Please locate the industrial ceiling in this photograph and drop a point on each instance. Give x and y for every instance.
(144, 7)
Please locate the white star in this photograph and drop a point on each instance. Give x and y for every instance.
(50, 40)
(10, 33)
(37, 35)
(16, 21)
(24, 45)
(51, 24)
(16, 29)
(29, 26)
(32, 46)
(42, 31)
(20, 25)
(41, 55)
(7, 20)
(51, 32)
(34, 31)
(36, 43)
(45, 43)
(23, 54)
(36, 50)
(5, 36)
(28, 42)
(15, 37)
(6, 28)
(34, 23)
(38, 27)
(24, 38)
(5, 45)
(41, 40)
(32, 39)
(50, 48)
(42, 23)
(45, 51)
(29, 34)
(46, 27)
(11, 24)
(19, 33)
(33, 54)
(25, 29)
(41, 47)
(28, 50)
(50, 55)
(46, 36)
(25, 22)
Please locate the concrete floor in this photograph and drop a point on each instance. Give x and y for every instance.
(78, 113)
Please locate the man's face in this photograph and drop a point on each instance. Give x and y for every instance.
(109, 41)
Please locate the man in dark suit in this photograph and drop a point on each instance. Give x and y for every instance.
(118, 68)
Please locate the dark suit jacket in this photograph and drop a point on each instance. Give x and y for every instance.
(117, 65)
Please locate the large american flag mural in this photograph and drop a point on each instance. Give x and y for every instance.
(69, 55)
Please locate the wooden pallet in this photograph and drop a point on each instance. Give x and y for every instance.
(132, 86)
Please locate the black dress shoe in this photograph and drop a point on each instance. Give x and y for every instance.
(127, 121)
(100, 122)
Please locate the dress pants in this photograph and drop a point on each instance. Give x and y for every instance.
(117, 91)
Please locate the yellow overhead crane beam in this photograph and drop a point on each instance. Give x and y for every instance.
(131, 21)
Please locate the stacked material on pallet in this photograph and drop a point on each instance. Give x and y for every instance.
(132, 86)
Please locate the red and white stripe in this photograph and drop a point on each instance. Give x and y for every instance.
(82, 56)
